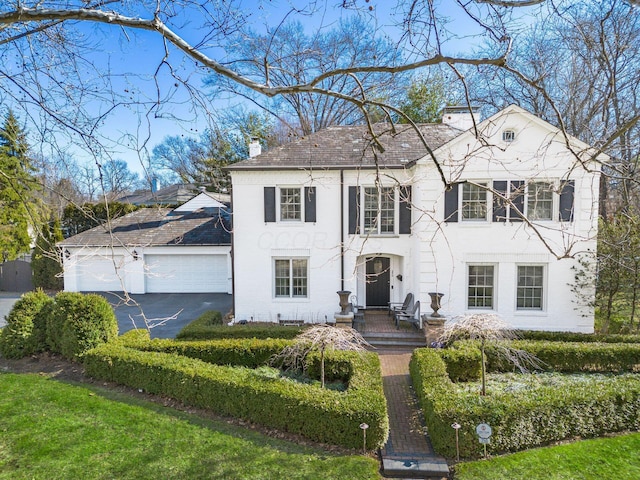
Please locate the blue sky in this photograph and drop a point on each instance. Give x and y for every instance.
(132, 58)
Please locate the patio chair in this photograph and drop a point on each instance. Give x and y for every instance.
(412, 316)
(358, 317)
(401, 307)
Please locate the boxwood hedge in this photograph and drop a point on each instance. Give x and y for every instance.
(23, 334)
(318, 414)
(576, 337)
(525, 419)
(246, 352)
(209, 328)
(520, 420)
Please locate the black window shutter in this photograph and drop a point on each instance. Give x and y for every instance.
(516, 209)
(354, 210)
(405, 209)
(499, 206)
(566, 200)
(451, 204)
(269, 204)
(309, 204)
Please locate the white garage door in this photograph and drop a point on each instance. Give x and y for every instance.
(186, 273)
(98, 274)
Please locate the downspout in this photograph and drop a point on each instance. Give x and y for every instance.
(233, 262)
(342, 229)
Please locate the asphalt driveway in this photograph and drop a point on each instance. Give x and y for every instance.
(169, 312)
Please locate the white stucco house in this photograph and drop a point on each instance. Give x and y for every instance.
(490, 216)
(154, 250)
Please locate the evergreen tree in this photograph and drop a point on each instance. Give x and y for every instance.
(45, 263)
(17, 183)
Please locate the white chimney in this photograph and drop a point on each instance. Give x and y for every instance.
(255, 148)
(461, 117)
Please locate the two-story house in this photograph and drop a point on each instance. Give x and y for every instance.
(490, 215)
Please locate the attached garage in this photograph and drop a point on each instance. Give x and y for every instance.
(96, 273)
(154, 250)
(186, 273)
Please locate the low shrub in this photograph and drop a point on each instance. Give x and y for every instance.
(576, 337)
(201, 329)
(23, 334)
(572, 357)
(463, 361)
(319, 414)
(520, 420)
(246, 352)
(208, 318)
(79, 322)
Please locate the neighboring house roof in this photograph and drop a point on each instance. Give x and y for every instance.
(353, 147)
(159, 226)
(171, 195)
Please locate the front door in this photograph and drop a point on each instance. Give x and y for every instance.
(378, 281)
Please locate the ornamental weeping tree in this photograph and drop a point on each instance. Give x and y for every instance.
(320, 338)
(487, 328)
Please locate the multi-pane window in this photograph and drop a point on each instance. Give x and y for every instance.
(474, 201)
(379, 210)
(291, 278)
(540, 201)
(530, 287)
(290, 204)
(481, 286)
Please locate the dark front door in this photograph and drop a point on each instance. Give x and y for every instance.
(378, 280)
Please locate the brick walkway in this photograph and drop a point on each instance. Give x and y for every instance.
(407, 435)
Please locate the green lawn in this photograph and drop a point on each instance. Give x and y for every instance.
(52, 430)
(603, 458)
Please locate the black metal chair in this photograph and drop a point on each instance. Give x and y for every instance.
(401, 307)
(412, 316)
(358, 317)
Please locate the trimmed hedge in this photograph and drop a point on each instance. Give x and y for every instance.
(245, 352)
(463, 361)
(23, 335)
(572, 357)
(319, 414)
(207, 329)
(520, 420)
(576, 337)
(79, 322)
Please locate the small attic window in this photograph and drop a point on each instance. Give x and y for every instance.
(508, 136)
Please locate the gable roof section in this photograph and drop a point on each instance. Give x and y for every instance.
(496, 118)
(352, 147)
(157, 227)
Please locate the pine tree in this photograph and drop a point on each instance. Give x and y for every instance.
(17, 183)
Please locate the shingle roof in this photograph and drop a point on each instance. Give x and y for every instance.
(159, 226)
(352, 146)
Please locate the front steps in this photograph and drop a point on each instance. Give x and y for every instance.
(400, 340)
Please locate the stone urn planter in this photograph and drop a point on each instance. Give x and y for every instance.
(344, 301)
(435, 303)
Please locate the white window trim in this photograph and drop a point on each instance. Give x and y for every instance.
(555, 208)
(279, 204)
(494, 308)
(396, 212)
(290, 297)
(484, 184)
(545, 289)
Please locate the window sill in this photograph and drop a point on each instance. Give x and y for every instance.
(379, 235)
(291, 299)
